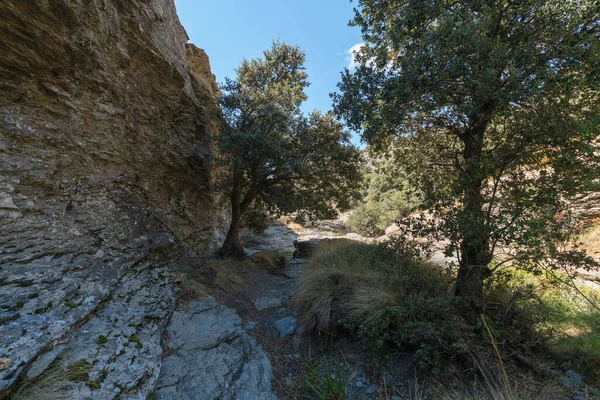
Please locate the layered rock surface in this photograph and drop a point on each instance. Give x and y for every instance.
(105, 168)
(212, 357)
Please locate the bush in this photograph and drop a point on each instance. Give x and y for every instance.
(374, 216)
(386, 298)
(387, 197)
(545, 314)
(574, 325)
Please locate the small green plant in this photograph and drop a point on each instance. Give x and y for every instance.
(324, 381)
(485, 327)
(136, 340)
(101, 339)
(78, 371)
(97, 383)
(42, 310)
(71, 304)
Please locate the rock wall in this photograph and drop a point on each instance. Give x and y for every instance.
(586, 208)
(105, 162)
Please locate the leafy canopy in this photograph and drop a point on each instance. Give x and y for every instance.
(284, 161)
(492, 106)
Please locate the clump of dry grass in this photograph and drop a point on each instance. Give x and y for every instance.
(360, 281)
(295, 227)
(52, 384)
(222, 276)
(202, 278)
(493, 382)
(272, 261)
(386, 298)
(589, 240)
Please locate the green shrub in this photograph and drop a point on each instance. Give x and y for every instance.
(387, 196)
(574, 324)
(386, 298)
(375, 215)
(325, 380)
(255, 220)
(545, 313)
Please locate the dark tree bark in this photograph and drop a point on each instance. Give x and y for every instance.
(475, 254)
(231, 246)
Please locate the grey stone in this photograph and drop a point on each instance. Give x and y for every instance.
(262, 303)
(372, 388)
(285, 326)
(212, 357)
(43, 362)
(250, 325)
(572, 379)
(122, 343)
(299, 336)
(359, 384)
(86, 165)
(289, 381)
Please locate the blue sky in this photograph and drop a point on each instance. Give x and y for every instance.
(230, 30)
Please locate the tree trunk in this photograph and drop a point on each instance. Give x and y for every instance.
(475, 254)
(231, 246)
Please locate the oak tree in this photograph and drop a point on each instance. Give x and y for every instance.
(493, 108)
(280, 160)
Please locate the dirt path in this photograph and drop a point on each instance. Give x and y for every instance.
(264, 302)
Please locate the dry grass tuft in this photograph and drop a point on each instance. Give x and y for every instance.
(295, 227)
(589, 241)
(272, 261)
(52, 384)
(191, 289)
(201, 277)
(383, 296)
(493, 383)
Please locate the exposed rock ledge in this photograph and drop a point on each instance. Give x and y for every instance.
(106, 116)
(212, 357)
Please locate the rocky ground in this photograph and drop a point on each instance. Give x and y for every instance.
(177, 325)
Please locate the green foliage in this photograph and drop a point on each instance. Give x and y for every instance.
(374, 216)
(386, 196)
(325, 380)
(275, 158)
(102, 339)
(71, 304)
(547, 312)
(78, 371)
(255, 220)
(575, 326)
(387, 298)
(492, 109)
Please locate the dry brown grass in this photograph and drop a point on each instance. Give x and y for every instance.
(589, 240)
(225, 278)
(191, 289)
(348, 279)
(295, 227)
(52, 384)
(272, 261)
(201, 279)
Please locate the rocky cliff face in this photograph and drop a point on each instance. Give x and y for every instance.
(105, 119)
